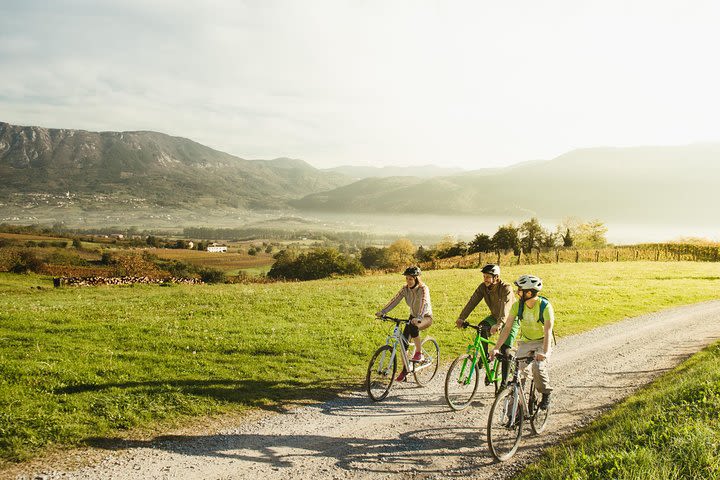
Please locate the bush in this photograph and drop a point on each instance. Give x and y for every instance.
(212, 275)
(26, 261)
(319, 263)
(374, 257)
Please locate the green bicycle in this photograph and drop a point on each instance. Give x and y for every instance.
(463, 377)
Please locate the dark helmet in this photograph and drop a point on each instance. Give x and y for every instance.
(491, 269)
(413, 271)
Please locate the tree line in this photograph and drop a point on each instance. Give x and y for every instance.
(525, 237)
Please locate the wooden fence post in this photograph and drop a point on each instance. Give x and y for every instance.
(617, 255)
(597, 256)
(577, 256)
(498, 260)
(557, 255)
(538, 256)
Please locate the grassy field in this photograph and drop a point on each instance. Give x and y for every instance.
(228, 262)
(80, 365)
(670, 430)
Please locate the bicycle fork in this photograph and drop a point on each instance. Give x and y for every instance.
(513, 403)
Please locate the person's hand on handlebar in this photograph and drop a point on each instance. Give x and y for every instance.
(459, 323)
(379, 314)
(493, 352)
(539, 357)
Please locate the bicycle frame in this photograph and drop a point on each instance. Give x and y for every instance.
(473, 350)
(396, 338)
(518, 396)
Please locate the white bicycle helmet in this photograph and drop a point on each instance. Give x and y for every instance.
(529, 282)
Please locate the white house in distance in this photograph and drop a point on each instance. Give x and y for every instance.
(214, 247)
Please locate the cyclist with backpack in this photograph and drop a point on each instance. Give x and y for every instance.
(534, 315)
(499, 298)
(417, 297)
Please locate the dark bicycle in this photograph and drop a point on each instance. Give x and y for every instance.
(510, 409)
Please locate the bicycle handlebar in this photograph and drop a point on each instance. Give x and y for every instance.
(528, 358)
(475, 327)
(393, 319)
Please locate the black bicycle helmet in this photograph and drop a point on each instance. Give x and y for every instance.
(413, 271)
(491, 269)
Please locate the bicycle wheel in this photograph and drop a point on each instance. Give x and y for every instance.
(381, 373)
(427, 369)
(538, 418)
(504, 428)
(461, 382)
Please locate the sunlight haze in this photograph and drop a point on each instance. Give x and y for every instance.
(462, 84)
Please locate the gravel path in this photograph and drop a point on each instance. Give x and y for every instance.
(412, 434)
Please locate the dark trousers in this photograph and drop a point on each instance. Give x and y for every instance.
(505, 363)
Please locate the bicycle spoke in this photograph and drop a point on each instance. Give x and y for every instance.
(381, 373)
(461, 383)
(426, 370)
(504, 428)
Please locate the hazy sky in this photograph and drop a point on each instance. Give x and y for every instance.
(460, 83)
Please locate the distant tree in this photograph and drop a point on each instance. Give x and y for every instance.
(481, 243)
(531, 234)
(506, 238)
(212, 275)
(374, 257)
(423, 254)
(154, 241)
(269, 249)
(252, 251)
(318, 263)
(455, 250)
(567, 239)
(76, 243)
(401, 253)
(591, 235)
(26, 261)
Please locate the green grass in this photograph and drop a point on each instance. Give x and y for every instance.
(81, 365)
(670, 430)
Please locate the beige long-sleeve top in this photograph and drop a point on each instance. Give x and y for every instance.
(418, 299)
(499, 298)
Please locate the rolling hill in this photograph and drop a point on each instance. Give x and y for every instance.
(158, 168)
(653, 184)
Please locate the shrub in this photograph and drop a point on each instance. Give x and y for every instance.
(319, 263)
(26, 261)
(212, 275)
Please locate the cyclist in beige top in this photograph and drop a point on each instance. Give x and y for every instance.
(417, 296)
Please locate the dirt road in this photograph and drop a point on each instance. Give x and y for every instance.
(413, 434)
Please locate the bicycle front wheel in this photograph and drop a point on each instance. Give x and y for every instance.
(538, 418)
(426, 369)
(381, 373)
(461, 382)
(504, 427)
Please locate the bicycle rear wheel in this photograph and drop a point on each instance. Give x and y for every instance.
(538, 418)
(426, 370)
(504, 427)
(381, 373)
(461, 382)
